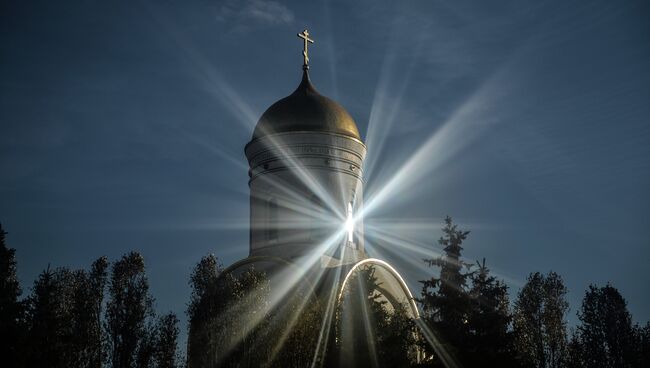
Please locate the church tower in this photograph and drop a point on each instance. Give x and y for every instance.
(306, 189)
(306, 198)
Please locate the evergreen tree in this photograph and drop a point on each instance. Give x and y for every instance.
(11, 309)
(128, 313)
(445, 301)
(488, 321)
(540, 337)
(606, 335)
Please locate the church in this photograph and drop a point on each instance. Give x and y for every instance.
(306, 199)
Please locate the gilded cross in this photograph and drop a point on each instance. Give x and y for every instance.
(305, 36)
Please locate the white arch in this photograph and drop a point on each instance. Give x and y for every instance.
(392, 271)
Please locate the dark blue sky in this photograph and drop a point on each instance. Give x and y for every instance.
(122, 126)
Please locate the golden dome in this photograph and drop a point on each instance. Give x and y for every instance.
(306, 110)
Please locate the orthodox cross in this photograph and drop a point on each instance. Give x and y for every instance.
(305, 36)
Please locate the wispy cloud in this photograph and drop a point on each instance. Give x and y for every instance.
(255, 12)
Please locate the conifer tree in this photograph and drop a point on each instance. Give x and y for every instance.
(445, 301)
(11, 309)
(488, 321)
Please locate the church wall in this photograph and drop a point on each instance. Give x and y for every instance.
(301, 184)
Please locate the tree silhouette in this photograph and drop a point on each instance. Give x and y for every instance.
(228, 317)
(234, 323)
(50, 313)
(166, 342)
(205, 303)
(129, 311)
(642, 337)
(87, 312)
(540, 336)
(370, 331)
(294, 329)
(445, 300)
(605, 336)
(63, 315)
(489, 321)
(11, 309)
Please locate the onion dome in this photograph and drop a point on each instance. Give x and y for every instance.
(306, 110)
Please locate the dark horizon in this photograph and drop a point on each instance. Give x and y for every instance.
(123, 127)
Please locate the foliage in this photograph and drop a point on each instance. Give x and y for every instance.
(60, 323)
(87, 327)
(11, 309)
(298, 322)
(606, 337)
(466, 314)
(489, 320)
(239, 320)
(50, 336)
(642, 342)
(64, 317)
(234, 323)
(166, 342)
(128, 313)
(445, 300)
(205, 302)
(540, 336)
(371, 331)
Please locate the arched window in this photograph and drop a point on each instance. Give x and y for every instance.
(272, 220)
(316, 226)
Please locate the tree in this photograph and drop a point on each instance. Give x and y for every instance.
(166, 343)
(63, 317)
(128, 313)
(489, 320)
(574, 351)
(11, 309)
(301, 318)
(205, 303)
(445, 301)
(229, 316)
(87, 311)
(606, 336)
(246, 338)
(50, 340)
(233, 321)
(540, 337)
(369, 330)
(642, 335)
